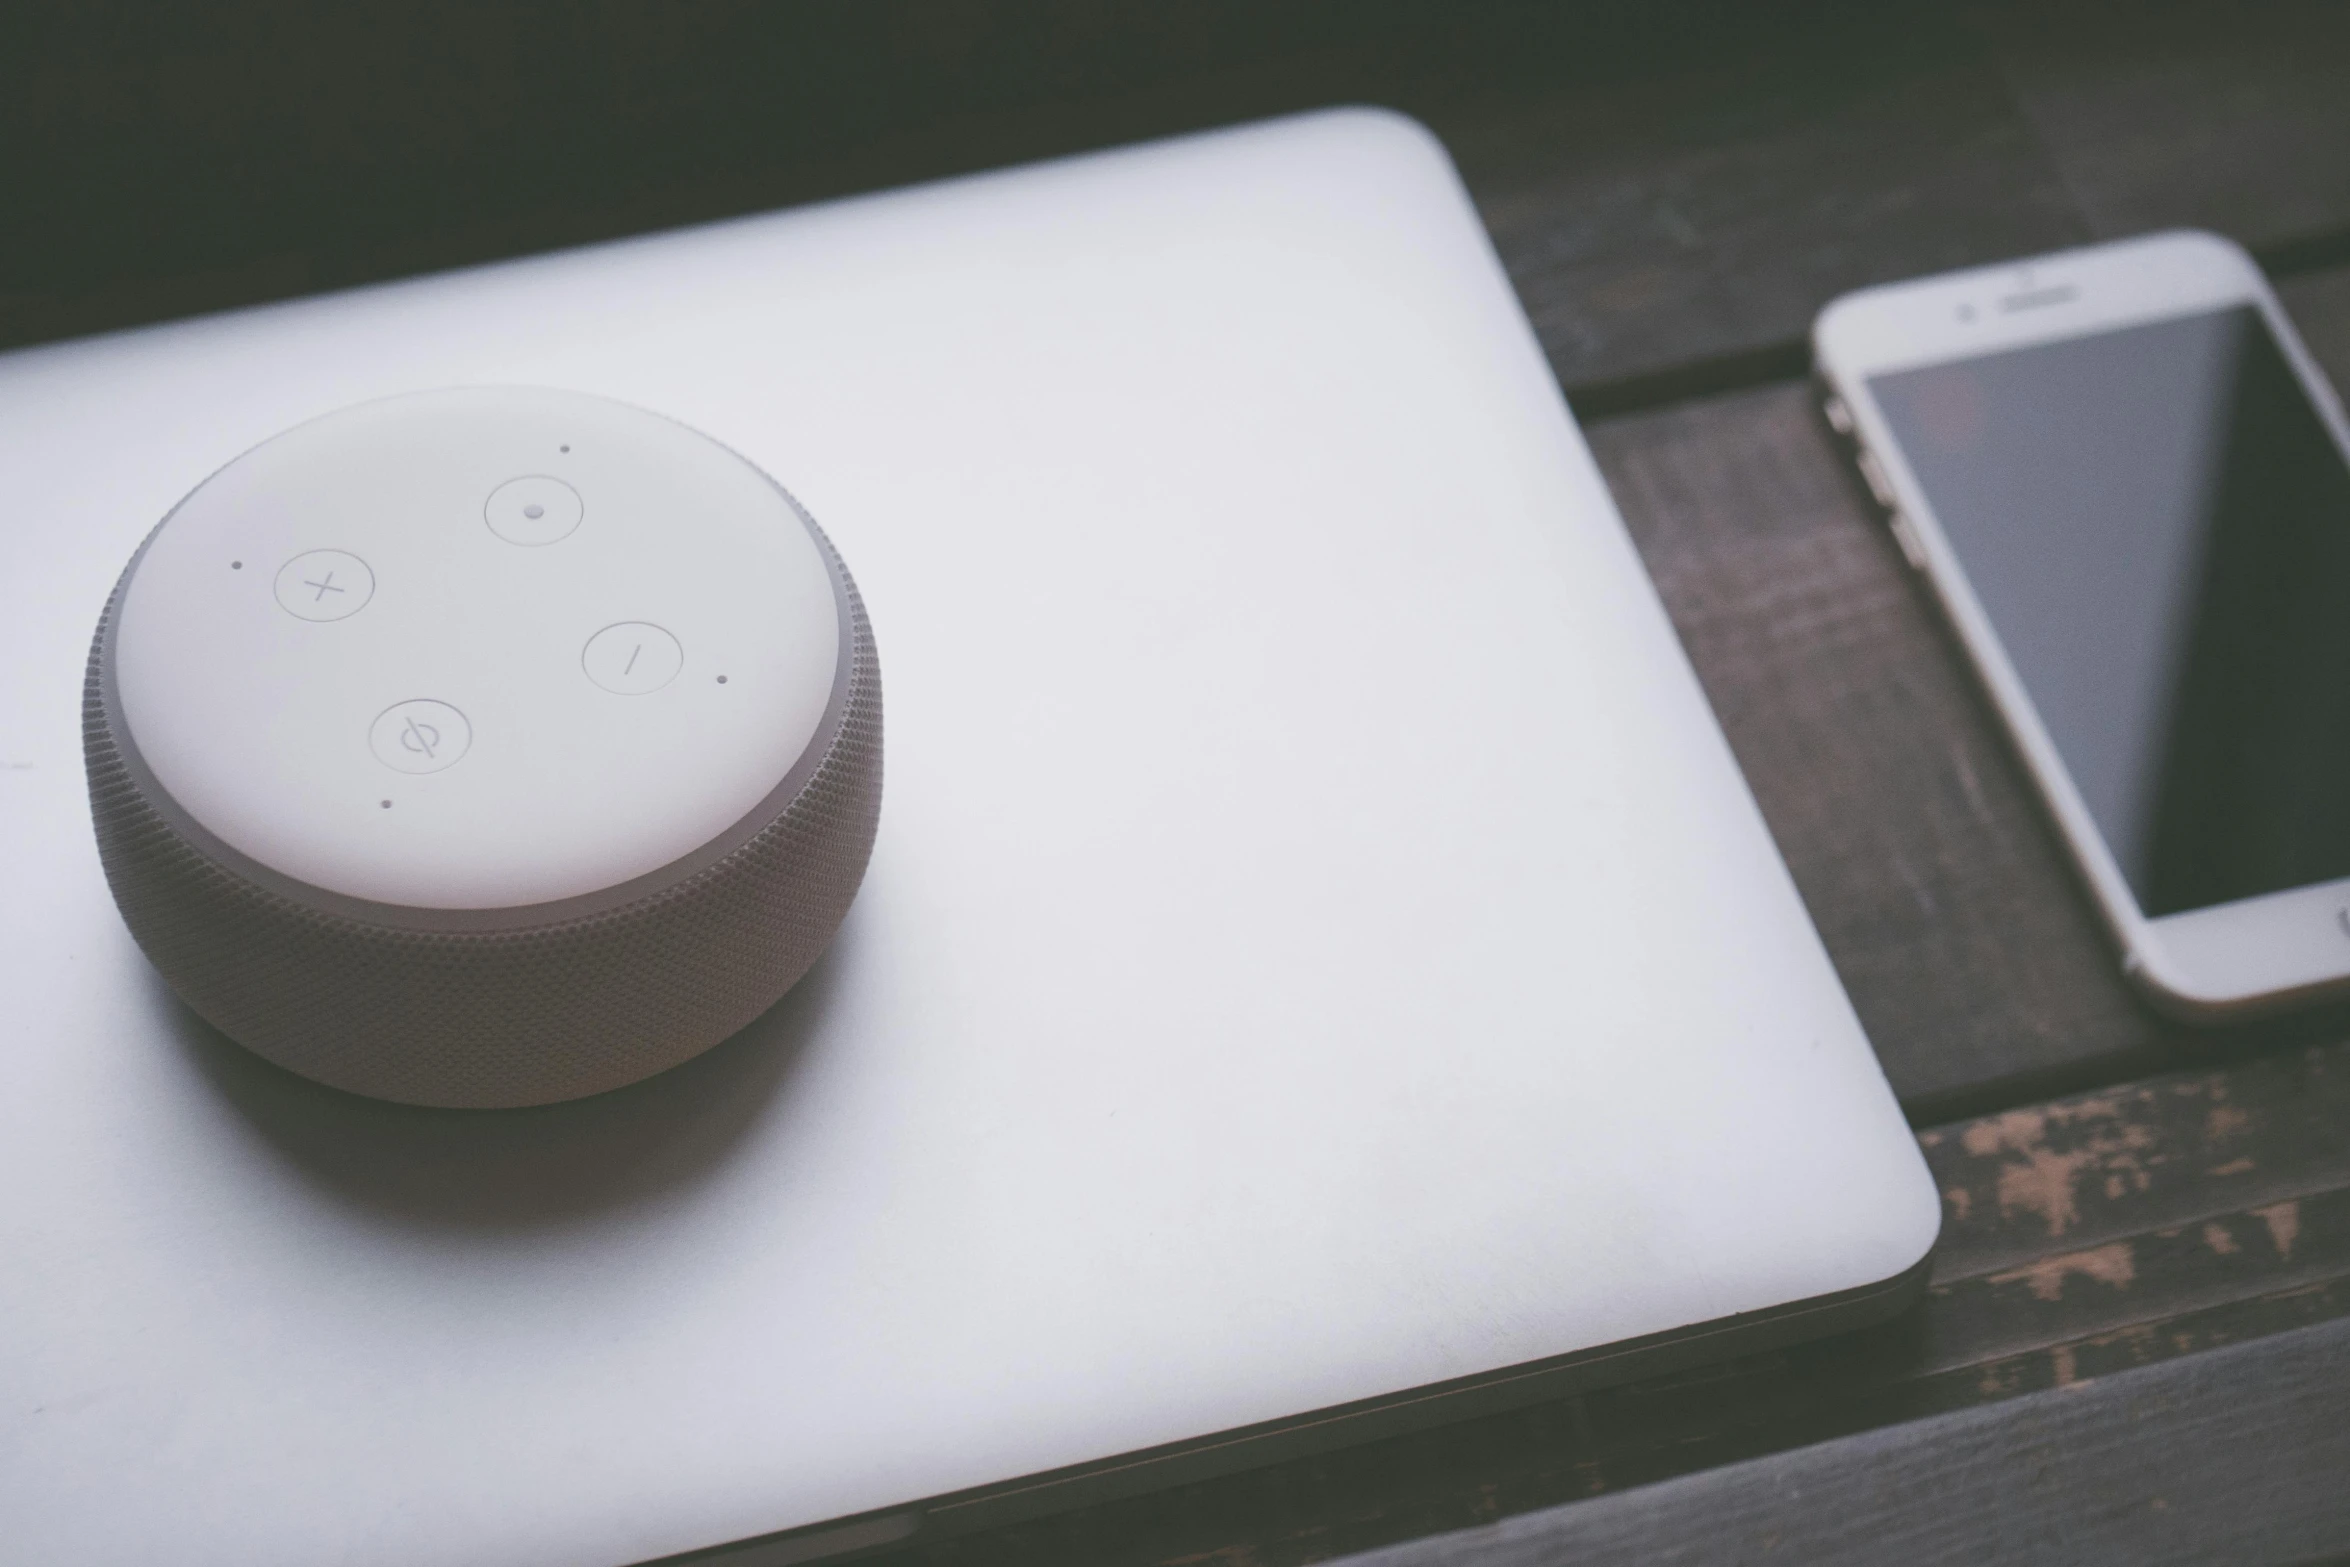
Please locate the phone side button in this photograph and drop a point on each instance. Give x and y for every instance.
(1839, 415)
(1905, 534)
(1872, 473)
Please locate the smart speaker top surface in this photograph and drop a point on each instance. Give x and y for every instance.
(477, 648)
(1318, 944)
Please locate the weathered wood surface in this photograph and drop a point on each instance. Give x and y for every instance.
(2319, 303)
(1975, 961)
(1949, 905)
(2238, 1456)
(2235, 118)
(1669, 231)
(2128, 1227)
(1677, 234)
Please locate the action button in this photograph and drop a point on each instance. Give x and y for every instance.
(1905, 534)
(632, 658)
(1872, 473)
(533, 509)
(324, 585)
(420, 736)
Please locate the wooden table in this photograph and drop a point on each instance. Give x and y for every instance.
(2136, 1346)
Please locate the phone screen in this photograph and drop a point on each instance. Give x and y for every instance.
(2157, 523)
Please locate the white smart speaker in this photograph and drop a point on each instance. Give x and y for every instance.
(484, 747)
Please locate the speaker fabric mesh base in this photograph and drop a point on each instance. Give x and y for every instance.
(542, 1010)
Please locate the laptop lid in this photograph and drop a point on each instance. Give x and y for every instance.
(1319, 948)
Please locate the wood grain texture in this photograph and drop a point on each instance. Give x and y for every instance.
(1974, 956)
(2235, 118)
(2319, 303)
(2084, 1237)
(1708, 213)
(2237, 1455)
(2053, 1180)
(1974, 959)
(1677, 233)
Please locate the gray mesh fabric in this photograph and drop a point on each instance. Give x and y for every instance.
(482, 1019)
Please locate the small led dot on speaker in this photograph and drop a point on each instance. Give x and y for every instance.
(563, 448)
(387, 805)
(236, 565)
(722, 680)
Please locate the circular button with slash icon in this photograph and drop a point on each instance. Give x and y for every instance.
(420, 736)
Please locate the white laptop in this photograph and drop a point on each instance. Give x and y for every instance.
(1321, 970)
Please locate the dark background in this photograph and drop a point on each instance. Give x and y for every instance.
(2137, 1342)
(162, 160)
(177, 158)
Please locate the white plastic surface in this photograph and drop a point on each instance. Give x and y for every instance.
(385, 655)
(1318, 941)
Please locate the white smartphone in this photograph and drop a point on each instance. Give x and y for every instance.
(2129, 485)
